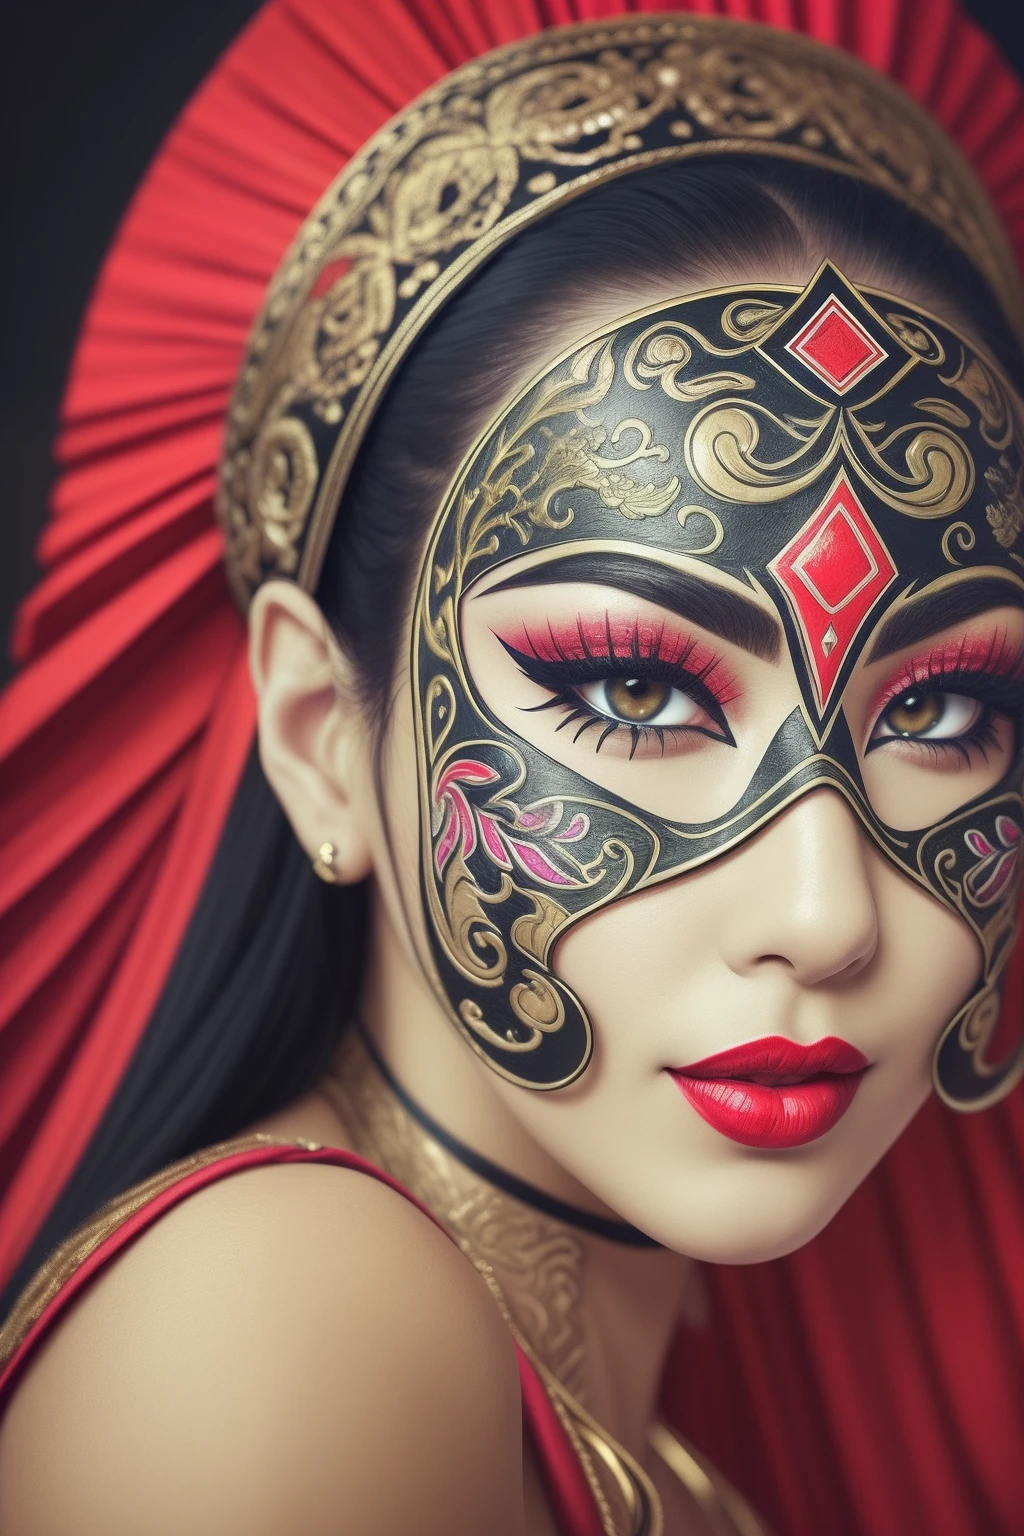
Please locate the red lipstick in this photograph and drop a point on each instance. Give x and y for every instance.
(773, 1093)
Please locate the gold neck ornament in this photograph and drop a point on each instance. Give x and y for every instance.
(493, 148)
(534, 1267)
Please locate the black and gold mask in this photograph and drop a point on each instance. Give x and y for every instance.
(855, 461)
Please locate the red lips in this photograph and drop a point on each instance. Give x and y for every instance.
(774, 1093)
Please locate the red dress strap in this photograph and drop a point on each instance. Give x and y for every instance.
(69, 1270)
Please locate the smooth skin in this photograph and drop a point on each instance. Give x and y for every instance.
(297, 1349)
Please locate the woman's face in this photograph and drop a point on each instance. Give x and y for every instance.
(805, 933)
(764, 1009)
(702, 688)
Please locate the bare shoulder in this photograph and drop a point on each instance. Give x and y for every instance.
(294, 1348)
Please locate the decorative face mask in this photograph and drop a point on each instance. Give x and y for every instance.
(854, 461)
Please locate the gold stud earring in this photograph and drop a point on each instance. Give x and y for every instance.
(323, 864)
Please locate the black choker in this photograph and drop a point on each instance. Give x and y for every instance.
(600, 1226)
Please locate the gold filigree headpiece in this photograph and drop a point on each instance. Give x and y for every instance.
(494, 147)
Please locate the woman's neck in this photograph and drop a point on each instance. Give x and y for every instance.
(598, 1314)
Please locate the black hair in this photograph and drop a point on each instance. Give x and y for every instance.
(271, 962)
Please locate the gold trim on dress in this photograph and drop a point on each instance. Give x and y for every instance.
(533, 1266)
(723, 1506)
(546, 1259)
(54, 1274)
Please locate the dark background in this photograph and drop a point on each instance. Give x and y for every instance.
(87, 91)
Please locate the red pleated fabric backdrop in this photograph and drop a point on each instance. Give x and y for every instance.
(871, 1384)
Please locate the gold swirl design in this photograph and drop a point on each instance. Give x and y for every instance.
(471, 939)
(748, 320)
(940, 471)
(996, 932)
(974, 1027)
(338, 338)
(550, 112)
(945, 410)
(536, 1003)
(283, 473)
(659, 353)
(454, 190)
(721, 452)
(515, 492)
(919, 337)
(440, 631)
(943, 863)
(1005, 512)
(736, 94)
(614, 850)
(717, 534)
(472, 1015)
(646, 447)
(963, 536)
(975, 382)
(535, 932)
(665, 349)
(439, 710)
(978, 1024)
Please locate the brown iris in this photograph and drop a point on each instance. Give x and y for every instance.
(915, 713)
(636, 699)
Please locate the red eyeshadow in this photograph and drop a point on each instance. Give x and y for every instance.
(991, 655)
(589, 637)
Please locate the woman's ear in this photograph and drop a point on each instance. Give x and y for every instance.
(314, 738)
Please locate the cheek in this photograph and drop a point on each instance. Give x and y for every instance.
(647, 967)
(929, 962)
(655, 972)
(694, 962)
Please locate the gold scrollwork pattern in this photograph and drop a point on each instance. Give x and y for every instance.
(919, 337)
(1005, 512)
(474, 944)
(972, 1030)
(684, 515)
(963, 537)
(740, 452)
(723, 441)
(518, 486)
(747, 320)
(991, 401)
(492, 148)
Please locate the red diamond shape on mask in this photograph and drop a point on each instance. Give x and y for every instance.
(836, 347)
(833, 572)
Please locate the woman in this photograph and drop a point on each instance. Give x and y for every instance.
(663, 679)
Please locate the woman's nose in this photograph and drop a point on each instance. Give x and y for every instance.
(802, 894)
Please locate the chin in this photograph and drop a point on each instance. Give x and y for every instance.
(748, 1217)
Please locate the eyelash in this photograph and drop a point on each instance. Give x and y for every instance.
(650, 654)
(992, 673)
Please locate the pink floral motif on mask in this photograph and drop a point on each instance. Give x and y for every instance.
(578, 827)
(460, 823)
(990, 877)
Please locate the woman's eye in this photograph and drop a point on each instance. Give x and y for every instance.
(920, 716)
(642, 701)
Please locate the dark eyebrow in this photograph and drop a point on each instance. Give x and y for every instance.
(934, 611)
(714, 608)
